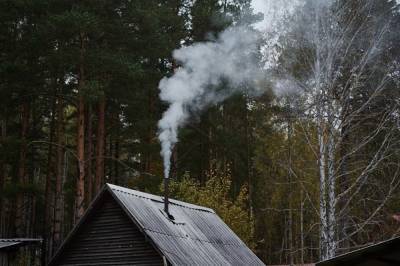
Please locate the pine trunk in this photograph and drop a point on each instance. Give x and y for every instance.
(3, 202)
(22, 178)
(100, 145)
(116, 161)
(59, 176)
(89, 151)
(49, 195)
(80, 183)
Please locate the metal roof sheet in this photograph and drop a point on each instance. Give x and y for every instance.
(375, 254)
(4, 245)
(16, 242)
(196, 236)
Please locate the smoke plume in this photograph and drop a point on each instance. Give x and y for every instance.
(230, 59)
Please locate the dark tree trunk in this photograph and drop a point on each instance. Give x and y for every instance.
(89, 153)
(80, 182)
(100, 144)
(33, 172)
(22, 178)
(116, 161)
(3, 203)
(117, 150)
(110, 154)
(59, 176)
(49, 193)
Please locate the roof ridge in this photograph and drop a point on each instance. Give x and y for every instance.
(19, 239)
(145, 195)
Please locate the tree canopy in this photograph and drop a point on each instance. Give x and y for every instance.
(300, 174)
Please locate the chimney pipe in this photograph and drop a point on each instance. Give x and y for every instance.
(166, 192)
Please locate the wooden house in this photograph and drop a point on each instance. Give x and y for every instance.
(12, 250)
(128, 227)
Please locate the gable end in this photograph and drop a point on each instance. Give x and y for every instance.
(107, 236)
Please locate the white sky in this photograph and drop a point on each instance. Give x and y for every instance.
(261, 6)
(273, 11)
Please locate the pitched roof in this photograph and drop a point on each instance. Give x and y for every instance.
(12, 243)
(305, 264)
(196, 235)
(383, 253)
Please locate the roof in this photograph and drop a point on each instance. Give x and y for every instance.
(383, 253)
(6, 244)
(304, 264)
(196, 235)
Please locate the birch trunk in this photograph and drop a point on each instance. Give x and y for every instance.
(331, 208)
(322, 189)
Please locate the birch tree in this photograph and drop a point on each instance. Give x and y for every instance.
(337, 56)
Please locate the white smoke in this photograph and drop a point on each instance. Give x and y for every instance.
(196, 84)
(231, 59)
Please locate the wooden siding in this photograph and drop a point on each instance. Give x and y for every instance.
(108, 237)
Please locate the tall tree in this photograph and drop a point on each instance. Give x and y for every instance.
(60, 171)
(100, 144)
(333, 66)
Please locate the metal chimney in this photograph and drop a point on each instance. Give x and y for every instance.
(166, 192)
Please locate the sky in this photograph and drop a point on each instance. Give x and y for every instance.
(273, 10)
(261, 6)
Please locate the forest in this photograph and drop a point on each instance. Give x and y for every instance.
(302, 162)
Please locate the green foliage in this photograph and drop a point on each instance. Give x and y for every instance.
(215, 194)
